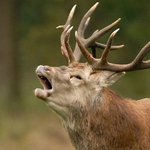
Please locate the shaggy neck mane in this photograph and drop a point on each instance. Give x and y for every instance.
(108, 121)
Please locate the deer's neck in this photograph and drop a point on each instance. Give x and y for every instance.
(104, 122)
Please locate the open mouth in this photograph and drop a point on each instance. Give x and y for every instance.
(45, 82)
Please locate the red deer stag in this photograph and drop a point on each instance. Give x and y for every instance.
(95, 117)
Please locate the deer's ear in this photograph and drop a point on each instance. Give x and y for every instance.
(113, 79)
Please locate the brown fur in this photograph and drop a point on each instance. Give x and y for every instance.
(112, 123)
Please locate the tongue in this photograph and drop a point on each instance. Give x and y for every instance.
(40, 93)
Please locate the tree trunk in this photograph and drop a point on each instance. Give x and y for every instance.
(9, 65)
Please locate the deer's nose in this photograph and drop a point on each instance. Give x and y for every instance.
(39, 68)
(42, 68)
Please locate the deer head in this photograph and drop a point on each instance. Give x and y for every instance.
(71, 87)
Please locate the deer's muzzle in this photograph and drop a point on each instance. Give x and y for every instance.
(42, 73)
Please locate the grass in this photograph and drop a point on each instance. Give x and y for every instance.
(33, 131)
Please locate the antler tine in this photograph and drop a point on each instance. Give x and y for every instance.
(69, 19)
(100, 33)
(63, 46)
(103, 60)
(68, 48)
(138, 62)
(102, 46)
(84, 51)
(103, 31)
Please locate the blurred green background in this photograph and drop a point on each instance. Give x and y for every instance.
(28, 38)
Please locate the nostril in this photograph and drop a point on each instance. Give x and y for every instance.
(46, 69)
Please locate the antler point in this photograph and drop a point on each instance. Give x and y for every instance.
(76, 33)
(69, 30)
(96, 3)
(114, 32)
(74, 7)
(117, 29)
(59, 27)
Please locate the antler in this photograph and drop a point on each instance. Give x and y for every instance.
(89, 42)
(83, 43)
(136, 64)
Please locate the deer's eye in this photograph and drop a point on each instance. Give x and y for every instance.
(78, 77)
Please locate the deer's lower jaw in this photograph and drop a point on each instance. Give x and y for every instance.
(42, 94)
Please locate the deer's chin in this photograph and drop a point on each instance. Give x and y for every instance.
(42, 94)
